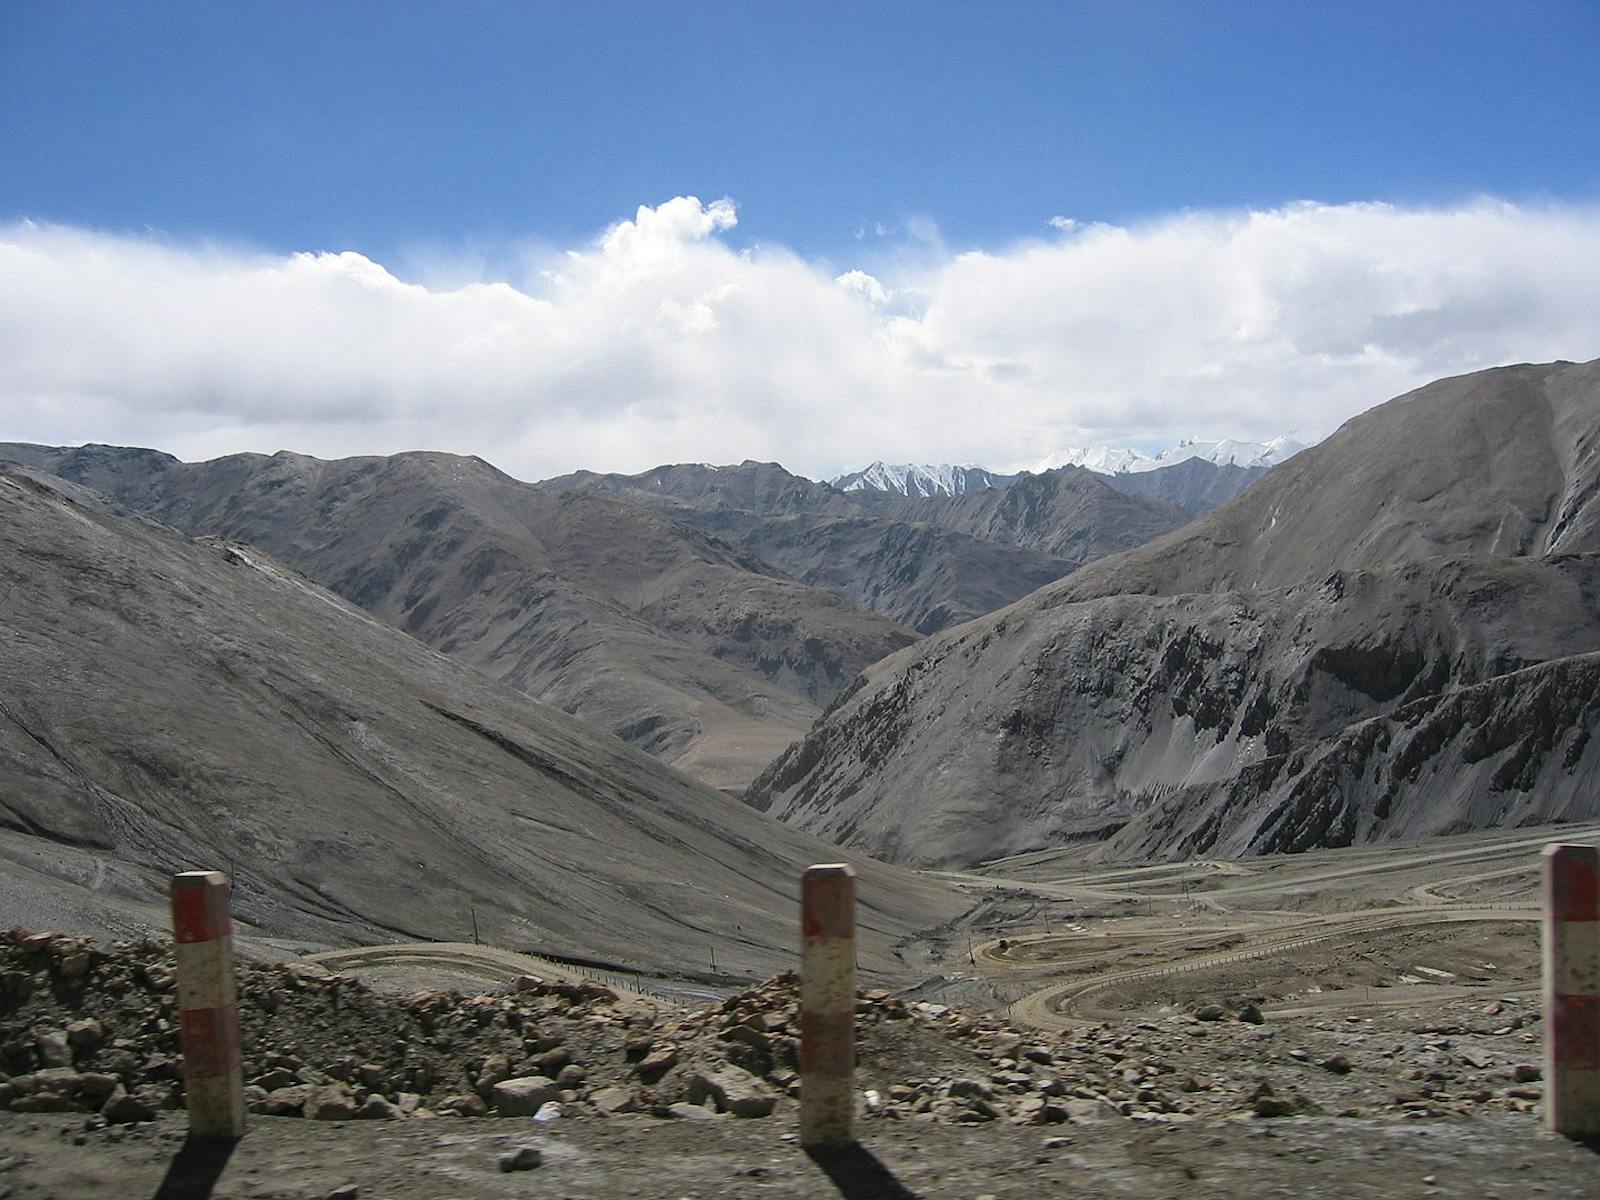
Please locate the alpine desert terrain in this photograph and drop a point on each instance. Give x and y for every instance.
(926, 560)
(1388, 635)
(642, 626)
(174, 704)
(490, 946)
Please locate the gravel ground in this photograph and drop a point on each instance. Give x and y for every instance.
(651, 1100)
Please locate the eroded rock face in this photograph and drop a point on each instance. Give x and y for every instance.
(1218, 679)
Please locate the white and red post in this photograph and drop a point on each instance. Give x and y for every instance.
(1572, 989)
(827, 1006)
(208, 1008)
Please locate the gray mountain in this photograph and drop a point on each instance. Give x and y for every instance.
(1069, 513)
(751, 486)
(173, 704)
(1195, 485)
(927, 563)
(1443, 542)
(674, 640)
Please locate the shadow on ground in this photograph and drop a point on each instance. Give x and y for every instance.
(859, 1175)
(194, 1170)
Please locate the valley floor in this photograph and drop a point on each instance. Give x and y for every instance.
(285, 1159)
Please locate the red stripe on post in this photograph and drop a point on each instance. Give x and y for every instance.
(827, 903)
(200, 907)
(210, 1040)
(1574, 883)
(1575, 1026)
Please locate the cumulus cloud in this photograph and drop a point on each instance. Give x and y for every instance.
(660, 342)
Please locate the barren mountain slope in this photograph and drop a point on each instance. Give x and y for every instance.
(1194, 485)
(749, 487)
(1503, 462)
(674, 640)
(920, 575)
(1518, 749)
(1069, 513)
(172, 704)
(1082, 704)
(926, 563)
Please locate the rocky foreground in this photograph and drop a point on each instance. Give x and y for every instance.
(94, 1030)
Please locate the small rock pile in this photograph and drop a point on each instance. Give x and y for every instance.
(91, 1029)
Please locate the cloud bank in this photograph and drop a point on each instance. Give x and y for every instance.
(659, 342)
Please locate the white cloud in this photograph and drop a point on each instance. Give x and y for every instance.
(865, 285)
(658, 342)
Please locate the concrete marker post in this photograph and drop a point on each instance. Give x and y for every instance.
(827, 1006)
(208, 1006)
(1571, 952)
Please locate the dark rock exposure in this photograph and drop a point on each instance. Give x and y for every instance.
(1349, 651)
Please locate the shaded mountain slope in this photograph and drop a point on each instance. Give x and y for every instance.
(920, 575)
(1517, 749)
(925, 562)
(173, 704)
(1194, 485)
(750, 486)
(677, 641)
(1068, 513)
(1257, 630)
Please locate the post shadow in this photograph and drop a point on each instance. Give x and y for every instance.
(194, 1170)
(858, 1174)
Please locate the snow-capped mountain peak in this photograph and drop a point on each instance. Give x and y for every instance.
(1111, 460)
(920, 479)
(945, 479)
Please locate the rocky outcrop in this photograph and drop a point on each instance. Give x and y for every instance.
(1517, 749)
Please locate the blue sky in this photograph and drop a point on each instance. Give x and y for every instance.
(374, 126)
(611, 235)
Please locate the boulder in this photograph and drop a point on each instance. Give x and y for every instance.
(734, 1090)
(524, 1097)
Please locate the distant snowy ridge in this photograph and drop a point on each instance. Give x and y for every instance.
(1110, 460)
(918, 479)
(944, 479)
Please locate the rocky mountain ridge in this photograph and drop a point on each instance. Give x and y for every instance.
(675, 640)
(1439, 542)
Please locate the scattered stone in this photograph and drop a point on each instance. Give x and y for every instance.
(733, 1090)
(376, 1108)
(123, 1109)
(1251, 1015)
(613, 1101)
(524, 1158)
(525, 1096)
